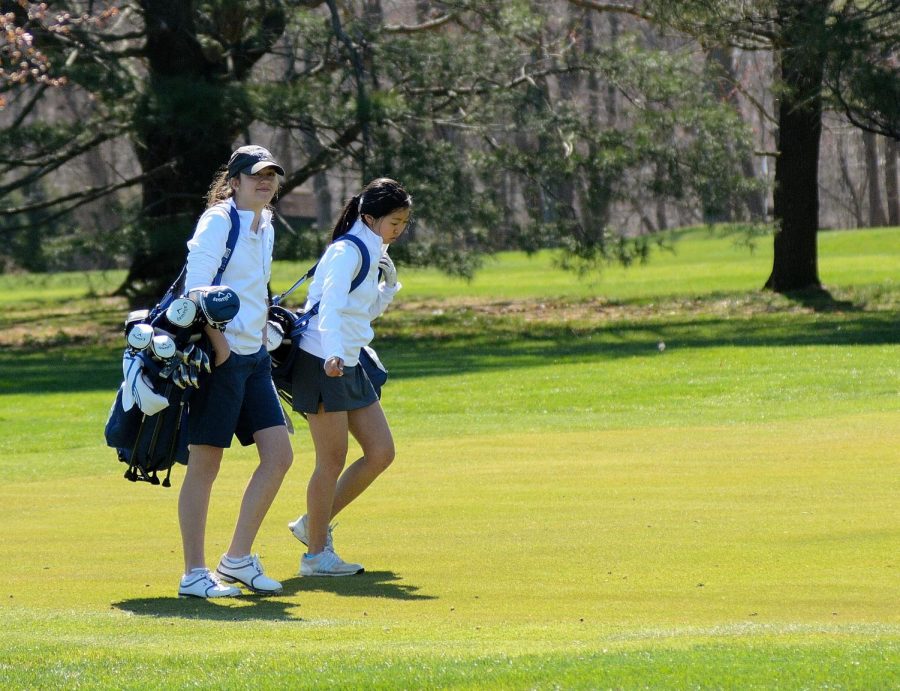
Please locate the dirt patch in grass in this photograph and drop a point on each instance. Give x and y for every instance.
(98, 321)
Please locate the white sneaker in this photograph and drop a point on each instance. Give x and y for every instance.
(327, 563)
(203, 583)
(248, 571)
(300, 530)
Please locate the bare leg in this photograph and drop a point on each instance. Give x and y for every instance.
(370, 428)
(193, 502)
(330, 437)
(275, 458)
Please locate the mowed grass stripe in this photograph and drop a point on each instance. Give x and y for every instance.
(783, 523)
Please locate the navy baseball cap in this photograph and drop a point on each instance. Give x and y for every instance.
(250, 160)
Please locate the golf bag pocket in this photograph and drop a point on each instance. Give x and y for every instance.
(150, 444)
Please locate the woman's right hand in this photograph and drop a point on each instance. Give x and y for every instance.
(334, 366)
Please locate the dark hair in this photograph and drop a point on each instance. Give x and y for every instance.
(379, 198)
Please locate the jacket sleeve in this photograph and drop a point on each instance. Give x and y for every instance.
(206, 248)
(338, 266)
(385, 297)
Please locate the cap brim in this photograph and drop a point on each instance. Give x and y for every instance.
(262, 165)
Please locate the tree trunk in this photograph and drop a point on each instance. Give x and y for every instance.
(796, 194)
(186, 123)
(181, 123)
(873, 180)
(854, 202)
(891, 154)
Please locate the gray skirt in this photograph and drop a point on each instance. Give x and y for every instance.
(311, 387)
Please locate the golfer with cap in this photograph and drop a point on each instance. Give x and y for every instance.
(238, 398)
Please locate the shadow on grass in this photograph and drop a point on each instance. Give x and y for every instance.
(486, 346)
(821, 300)
(556, 343)
(374, 584)
(380, 584)
(245, 608)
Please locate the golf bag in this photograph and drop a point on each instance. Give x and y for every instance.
(165, 360)
(285, 328)
(150, 444)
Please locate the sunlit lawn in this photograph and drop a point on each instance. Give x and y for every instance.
(572, 505)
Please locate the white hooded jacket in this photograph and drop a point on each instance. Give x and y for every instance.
(344, 322)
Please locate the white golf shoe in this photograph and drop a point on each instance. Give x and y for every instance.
(204, 584)
(327, 563)
(248, 571)
(300, 530)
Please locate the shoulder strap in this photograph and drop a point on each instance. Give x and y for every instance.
(178, 286)
(303, 319)
(366, 260)
(230, 244)
(354, 284)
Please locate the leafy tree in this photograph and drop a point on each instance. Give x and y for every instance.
(840, 55)
(481, 108)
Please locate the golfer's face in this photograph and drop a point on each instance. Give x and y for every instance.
(391, 227)
(258, 189)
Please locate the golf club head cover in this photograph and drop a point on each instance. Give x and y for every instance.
(217, 304)
(274, 335)
(139, 336)
(135, 317)
(182, 312)
(280, 318)
(162, 347)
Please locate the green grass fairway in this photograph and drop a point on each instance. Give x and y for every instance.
(573, 505)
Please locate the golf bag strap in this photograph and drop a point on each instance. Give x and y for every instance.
(303, 320)
(366, 260)
(178, 286)
(230, 244)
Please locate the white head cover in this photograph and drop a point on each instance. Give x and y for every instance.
(136, 389)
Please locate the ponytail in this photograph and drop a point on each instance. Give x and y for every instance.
(347, 218)
(379, 198)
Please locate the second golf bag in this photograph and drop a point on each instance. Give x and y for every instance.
(285, 327)
(165, 360)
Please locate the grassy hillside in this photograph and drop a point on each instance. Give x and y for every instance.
(656, 477)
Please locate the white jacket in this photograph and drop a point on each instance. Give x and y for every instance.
(247, 273)
(344, 322)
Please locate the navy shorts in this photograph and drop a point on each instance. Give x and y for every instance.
(312, 387)
(238, 398)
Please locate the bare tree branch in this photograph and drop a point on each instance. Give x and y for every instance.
(617, 7)
(80, 198)
(63, 157)
(322, 159)
(416, 28)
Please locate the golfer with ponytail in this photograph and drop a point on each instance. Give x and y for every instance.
(330, 386)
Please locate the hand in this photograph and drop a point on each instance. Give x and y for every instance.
(334, 367)
(386, 266)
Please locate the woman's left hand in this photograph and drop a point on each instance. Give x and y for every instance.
(388, 270)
